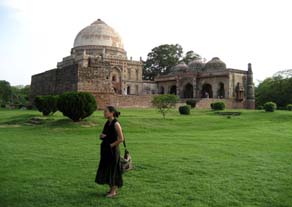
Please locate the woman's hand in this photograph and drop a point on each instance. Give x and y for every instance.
(102, 136)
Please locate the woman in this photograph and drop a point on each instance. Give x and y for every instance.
(109, 170)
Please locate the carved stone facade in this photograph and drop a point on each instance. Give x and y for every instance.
(210, 81)
(98, 64)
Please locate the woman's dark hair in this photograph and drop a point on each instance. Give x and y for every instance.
(114, 110)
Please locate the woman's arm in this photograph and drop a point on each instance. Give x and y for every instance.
(120, 135)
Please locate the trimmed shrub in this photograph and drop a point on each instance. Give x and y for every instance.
(77, 105)
(46, 104)
(192, 103)
(270, 106)
(289, 107)
(185, 109)
(217, 106)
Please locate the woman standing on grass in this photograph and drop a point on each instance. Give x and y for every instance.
(110, 170)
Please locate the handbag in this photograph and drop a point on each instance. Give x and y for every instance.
(126, 160)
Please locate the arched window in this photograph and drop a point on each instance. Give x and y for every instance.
(114, 78)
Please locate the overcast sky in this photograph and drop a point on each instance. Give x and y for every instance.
(36, 34)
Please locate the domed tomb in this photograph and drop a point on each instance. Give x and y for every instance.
(196, 65)
(215, 64)
(98, 38)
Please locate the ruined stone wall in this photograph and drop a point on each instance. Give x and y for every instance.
(55, 81)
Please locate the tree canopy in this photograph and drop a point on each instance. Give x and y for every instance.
(162, 59)
(276, 89)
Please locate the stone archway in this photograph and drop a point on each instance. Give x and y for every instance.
(161, 90)
(188, 91)
(173, 89)
(221, 90)
(207, 91)
(128, 90)
(116, 79)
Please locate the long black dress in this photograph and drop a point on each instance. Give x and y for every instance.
(109, 170)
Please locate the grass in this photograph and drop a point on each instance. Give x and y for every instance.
(202, 159)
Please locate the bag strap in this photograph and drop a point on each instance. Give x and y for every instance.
(124, 143)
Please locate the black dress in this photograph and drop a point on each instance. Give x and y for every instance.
(109, 170)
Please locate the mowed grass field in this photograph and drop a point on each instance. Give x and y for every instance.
(202, 159)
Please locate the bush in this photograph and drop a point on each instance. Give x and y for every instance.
(217, 106)
(270, 106)
(260, 107)
(164, 102)
(192, 103)
(185, 109)
(77, 105)
(46, 104)
(289, 107)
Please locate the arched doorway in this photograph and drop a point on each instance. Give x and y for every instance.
(207, 91)
(173, 90)
(188, 91)
(221, 91)
(128, 90)
(161, 91)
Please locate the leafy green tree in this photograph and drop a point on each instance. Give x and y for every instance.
(5, 91)
(161, 60)
(20, 94)
(164, 102)
(190, 56)
(276, 89)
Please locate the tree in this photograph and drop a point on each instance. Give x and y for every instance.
(20, 95)
(190, 56)
(276, 89)
(161, 60)
(5, 91)
(164, 102)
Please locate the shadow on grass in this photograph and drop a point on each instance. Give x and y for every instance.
(20, 119)
(48, 121)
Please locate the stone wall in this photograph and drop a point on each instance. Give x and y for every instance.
(120, 101)
(229, 103)
(55, 81)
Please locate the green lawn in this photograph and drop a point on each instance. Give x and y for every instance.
(199, 160)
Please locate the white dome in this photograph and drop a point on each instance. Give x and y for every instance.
(98, 34)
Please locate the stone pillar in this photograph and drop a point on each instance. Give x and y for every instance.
(177, 87)
(195, 87)
(250, 99)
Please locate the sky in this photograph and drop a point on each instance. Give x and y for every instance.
(36, 34)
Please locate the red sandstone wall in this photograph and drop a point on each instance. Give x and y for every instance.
(120, 101)
(133, 101)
